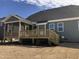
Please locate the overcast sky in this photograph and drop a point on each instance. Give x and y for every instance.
(25, 8)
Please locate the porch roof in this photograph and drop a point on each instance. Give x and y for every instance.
(16, 16)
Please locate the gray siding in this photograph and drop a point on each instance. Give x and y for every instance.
(71, 32)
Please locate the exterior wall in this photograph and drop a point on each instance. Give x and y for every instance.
(71, 32)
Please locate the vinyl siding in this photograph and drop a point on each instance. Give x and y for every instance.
(71, 32)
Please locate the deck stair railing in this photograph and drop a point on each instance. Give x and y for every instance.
(54, 36)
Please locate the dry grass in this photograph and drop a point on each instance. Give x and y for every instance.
(25, 52)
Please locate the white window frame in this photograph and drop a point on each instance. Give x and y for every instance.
(25, 27)
(53, 27)
(60, 26)
(78, 25)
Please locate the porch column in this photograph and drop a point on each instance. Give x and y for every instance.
(12, 29)
(38, 30)
(45, 29)
(19, 30)
(4, 33)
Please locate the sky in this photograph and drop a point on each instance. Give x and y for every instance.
(25, 8)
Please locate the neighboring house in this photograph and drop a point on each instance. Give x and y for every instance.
(64, 20)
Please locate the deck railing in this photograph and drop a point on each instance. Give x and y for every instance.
(38, 33)
(11, 34)
(41, 33)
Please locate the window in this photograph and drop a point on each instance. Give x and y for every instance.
(52, 26)
(60, 27)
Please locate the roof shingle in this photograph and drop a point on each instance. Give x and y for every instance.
(57, 13)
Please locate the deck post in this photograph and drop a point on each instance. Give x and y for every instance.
(33, 41)
(49, 42)
(37, 42)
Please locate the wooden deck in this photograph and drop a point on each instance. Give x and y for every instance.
(35, 34)
(32, 33)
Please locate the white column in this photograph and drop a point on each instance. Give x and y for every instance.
(4, 31)
(7, 27)
(19, 29)
(38, 30)
(45, 29)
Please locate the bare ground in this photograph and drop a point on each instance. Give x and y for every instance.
(64, 51)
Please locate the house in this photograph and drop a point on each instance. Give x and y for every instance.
(47, 24)
(64, 20)
(14, 27)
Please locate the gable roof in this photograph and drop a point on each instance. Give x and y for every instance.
(16, 16)
(20, 19)
(57, 13)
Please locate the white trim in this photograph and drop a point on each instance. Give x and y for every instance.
(11, 16)
(53, 26)
(41, 23)
(26, 27)
(11, 22)
(20, 19)
(65, 19)
(8, 27)
(78, 25)
(60, 26)
(34, 23)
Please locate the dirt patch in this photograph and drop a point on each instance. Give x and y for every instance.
(34, 52)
